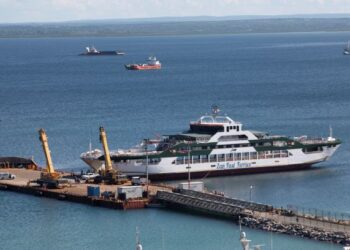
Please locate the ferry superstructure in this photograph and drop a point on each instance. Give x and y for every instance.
(216, 145)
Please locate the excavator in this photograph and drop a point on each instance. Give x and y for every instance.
(49, 177)
(108, 175)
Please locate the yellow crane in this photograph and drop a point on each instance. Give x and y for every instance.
(50, 177)
(109, 175)
(103, 140)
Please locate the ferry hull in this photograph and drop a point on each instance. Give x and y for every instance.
(103, 53)
(165, 170)
(228, 172)
(96, 165)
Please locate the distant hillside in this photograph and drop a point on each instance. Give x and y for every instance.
(173, 27)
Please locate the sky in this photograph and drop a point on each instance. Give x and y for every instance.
(18, 11)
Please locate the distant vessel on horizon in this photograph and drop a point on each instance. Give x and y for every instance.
(151, 63)
(347, 49)
(92, 51)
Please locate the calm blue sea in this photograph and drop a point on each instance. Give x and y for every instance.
(287, 84)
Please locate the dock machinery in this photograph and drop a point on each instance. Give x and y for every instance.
(49, 177)
(108, 175)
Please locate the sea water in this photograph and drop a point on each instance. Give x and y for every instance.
(286, 84)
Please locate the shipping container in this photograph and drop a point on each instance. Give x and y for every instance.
(93, 191)
(129, 192)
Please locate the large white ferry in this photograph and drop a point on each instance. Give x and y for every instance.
(216, 145)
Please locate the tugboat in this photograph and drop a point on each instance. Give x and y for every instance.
(152, 63)
(92, 51)
(218, 146)
(347, 49)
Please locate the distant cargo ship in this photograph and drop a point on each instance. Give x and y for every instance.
(216, 145)
(152, 63)
(92, 51)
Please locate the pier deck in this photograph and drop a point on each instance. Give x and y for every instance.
(259, 216)
(267, 211)
(75, 192)
(254, 215)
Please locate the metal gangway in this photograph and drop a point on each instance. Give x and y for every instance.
(253, 206)
(199, 204)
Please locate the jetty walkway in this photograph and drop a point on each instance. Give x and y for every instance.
(258, 216)
(252, 214)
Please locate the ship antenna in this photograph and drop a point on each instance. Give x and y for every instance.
(90, 143)
(271, 241)
(137, 236)
(138, 244)
(240, 223)
(331, 138)
(215, 110)
(163, 240)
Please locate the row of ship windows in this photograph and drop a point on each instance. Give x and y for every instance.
(221, 157)
(313, 149)
(197, 148)
(264, 144)
(232, 157)
(228, 128)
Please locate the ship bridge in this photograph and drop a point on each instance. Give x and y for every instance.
(211, 124)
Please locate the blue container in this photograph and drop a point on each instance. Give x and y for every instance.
(93, 191)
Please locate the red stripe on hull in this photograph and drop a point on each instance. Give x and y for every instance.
(142, 67)
(227, 172)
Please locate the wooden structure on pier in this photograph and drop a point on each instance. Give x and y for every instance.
(17, 162)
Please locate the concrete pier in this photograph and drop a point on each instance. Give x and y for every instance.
(76, 192)
(258, 216)
(253, 215)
